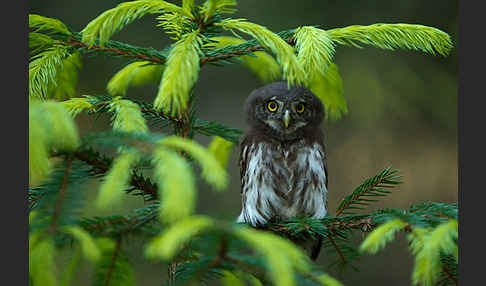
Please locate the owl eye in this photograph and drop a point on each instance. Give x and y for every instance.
(272, 106)
(300, 108)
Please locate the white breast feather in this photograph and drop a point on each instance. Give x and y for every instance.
(309, 159)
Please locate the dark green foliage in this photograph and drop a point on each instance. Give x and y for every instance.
(114, 267)
(363, 195)
(64, 192)
(219, 246)
(142, 222)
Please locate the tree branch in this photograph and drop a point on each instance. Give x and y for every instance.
(113, 261)
(62, 192)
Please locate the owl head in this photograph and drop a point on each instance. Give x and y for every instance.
(283, 113)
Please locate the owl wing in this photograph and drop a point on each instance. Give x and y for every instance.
(244, 150)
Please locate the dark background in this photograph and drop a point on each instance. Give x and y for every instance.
(402, 111)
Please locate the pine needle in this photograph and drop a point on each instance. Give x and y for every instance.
(427, 247)
(127, 116)
(169, 242)
(40, 23)
(78, 104)
(379, 237)
(180, 75)
(88, 245)
(39, 166)
(113, 20)
(281, 255)
(117, 179)
(42, 267)
(67, 78)
(329, 89)
(134, 74)
(315, 50)
(220, 148)
(292, 70)
(43, 69)
(392, 36)
(211, 7)
(263, 65)
(175, 180)
(212, 171)
(39, 42)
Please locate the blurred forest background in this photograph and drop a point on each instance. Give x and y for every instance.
(402, 111)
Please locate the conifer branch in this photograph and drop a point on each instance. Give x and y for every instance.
(449, 274)
(60, 198)
(373, 187)
(113, 260)
(101, 165)
(115, 48)
(116, 226)
(338, 249)
(258, 272)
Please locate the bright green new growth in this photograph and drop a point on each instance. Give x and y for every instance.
(50, 126)
(112, 265)
(174, 23)
(427, 247)
(315, 50)
(39, 42)
(231, 279)
(88, 245)
(40, 23)
(392, 36)
(212, 171)
(180, 74)
(134, 74)
(169, 242)
(39, 166)
(261, 64)
(303, 56)
(220, 148)
(42, 267)
(127, 116)
(329, 89)
(175, 180)
(43, 69)
(78, 104)
(117, 179)
(211, 7)
(327, 280)
(67, 78)
(113, 20)
(187, 6)
(377, 239)
(292, 70)
(281, 255)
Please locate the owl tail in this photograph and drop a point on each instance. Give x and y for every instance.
(316, 249)
(311, 245)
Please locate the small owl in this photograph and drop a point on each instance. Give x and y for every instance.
(282, 158)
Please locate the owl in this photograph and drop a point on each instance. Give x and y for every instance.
(282, 157)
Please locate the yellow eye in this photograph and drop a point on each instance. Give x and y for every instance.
(300, 108)
(272, 106)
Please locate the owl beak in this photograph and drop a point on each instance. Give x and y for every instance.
(286, 118)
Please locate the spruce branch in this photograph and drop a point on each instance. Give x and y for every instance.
(112, 263)
(60, 198)
(101, 165)
(118, 49)
(143, 221)
(372, 187)
(100, 103)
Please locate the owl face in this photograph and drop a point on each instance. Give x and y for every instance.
(283, 113)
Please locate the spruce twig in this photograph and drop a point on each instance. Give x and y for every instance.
(62, 191)
(113, 261)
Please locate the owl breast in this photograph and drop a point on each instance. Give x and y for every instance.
(281, 182)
